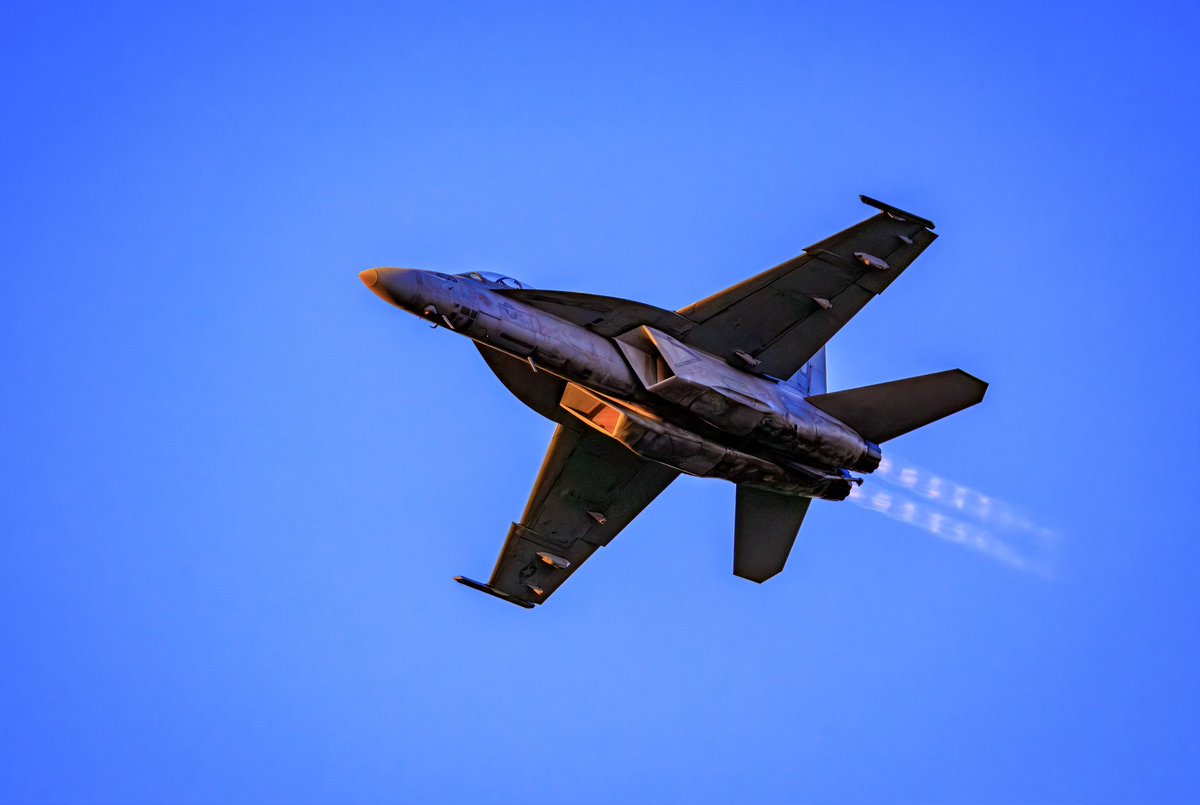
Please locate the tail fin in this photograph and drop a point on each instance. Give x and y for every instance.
(888, 410)
(765, 527)
(810, 378)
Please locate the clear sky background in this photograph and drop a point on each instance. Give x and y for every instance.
(234, 485)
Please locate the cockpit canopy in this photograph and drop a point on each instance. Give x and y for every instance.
(492, 278)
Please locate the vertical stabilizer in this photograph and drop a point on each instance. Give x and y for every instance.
(810, 379)
(816, 383)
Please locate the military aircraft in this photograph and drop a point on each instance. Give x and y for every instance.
(732, 387)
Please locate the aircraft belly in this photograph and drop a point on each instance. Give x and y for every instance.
(641, 394)
(659, 440)
(744, 405)
(548, 342)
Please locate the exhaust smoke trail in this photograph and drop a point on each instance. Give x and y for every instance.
(958, 514)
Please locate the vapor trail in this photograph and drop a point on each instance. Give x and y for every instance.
(956, 513)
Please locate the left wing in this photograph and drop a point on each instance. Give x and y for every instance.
(774, 322)
(606, 315)
(590, 488)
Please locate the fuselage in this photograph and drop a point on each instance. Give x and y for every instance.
(665, 400)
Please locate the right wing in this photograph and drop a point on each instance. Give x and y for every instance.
(780, 318)
(590, 488)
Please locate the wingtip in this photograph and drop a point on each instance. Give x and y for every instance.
(895, 212)
(484, 588)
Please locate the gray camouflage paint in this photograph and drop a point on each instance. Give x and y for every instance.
(666, 401)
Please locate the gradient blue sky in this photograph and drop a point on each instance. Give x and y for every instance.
(234, 485)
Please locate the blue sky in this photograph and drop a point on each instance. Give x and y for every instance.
(235, 485)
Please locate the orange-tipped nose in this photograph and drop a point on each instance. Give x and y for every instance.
(396, 286)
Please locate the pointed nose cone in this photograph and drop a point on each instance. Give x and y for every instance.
(396, 286)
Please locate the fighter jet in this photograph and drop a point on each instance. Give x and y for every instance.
(731, 387)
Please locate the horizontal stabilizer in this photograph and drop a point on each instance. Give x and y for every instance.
(765, 527)
(888, 410)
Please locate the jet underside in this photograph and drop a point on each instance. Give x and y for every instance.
(642, 394)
